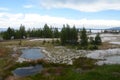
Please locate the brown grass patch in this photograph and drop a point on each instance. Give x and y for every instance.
(107, 45)
(2, 51)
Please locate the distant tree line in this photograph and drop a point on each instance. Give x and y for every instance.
(22, 33)
(14, 34)
(67, 35)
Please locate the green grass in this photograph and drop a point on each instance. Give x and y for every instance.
(106, 72)
(76, 72)
(84, 63)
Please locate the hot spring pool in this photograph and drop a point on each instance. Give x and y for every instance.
(32, 53)
(27, 71)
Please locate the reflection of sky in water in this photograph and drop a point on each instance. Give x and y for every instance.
(32, 53)
(26, 71)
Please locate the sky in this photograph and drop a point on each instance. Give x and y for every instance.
(81, 13)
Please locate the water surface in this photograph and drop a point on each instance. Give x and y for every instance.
(27, 71)
(32, 53)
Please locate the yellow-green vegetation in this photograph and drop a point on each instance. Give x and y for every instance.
(26, 43)
(9, 43)
(108, 72)
(84, 63)
(6, 61)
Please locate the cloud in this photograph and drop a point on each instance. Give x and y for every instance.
(3, 9)
(81, 5)
(37, 20)
(28, 6)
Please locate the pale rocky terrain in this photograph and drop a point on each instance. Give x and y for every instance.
(108, 37)
(63, 55)
(60, 54)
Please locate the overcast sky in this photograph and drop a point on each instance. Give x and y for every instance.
(35, 13)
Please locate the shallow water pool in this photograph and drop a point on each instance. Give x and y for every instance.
(32, 53)
(27, 71)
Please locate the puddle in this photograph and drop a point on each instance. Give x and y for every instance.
(27, 71)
